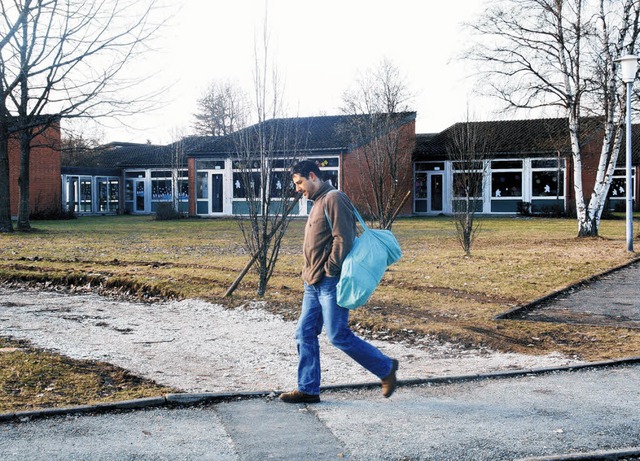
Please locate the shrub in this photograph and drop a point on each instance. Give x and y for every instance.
(52, 215)
(166, 212)
(554, 211)
(524, 208)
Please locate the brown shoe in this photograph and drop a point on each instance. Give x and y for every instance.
(390, 382)
(299, 397)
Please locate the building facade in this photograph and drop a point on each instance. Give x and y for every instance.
(520, 166)
(206, 176)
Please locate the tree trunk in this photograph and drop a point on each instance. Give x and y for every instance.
(585, 223)
(24, 206)
(605, 172)
(5, 199)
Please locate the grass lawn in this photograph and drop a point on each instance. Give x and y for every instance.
(433, 290)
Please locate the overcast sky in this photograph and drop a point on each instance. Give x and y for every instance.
(319, 47)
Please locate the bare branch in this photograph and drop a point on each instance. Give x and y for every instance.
(562, 53)
(64, 57)
(378, 106)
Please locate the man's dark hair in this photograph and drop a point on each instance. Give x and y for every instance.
(305, 167)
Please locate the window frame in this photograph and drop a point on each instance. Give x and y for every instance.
(620, 177)
(509, 170)
(559, 169)
(478, 168)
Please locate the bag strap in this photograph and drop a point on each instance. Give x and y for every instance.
(355, 212)
(362, 223)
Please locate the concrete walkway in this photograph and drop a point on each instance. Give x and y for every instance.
(591, 412)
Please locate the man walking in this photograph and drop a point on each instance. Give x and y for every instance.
(328, 238)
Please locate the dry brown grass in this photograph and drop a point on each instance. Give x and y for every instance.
(31, 378)
(433, 290)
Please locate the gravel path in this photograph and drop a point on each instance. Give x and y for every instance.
(196, 346)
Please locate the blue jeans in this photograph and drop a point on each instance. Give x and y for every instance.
(319, 308)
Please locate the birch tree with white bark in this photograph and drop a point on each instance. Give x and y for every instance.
(561, 54)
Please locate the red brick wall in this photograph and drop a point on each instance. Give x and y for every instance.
(353, 178)
(590, 156)
(44, 172)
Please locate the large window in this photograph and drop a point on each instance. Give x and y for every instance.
(467, 179)
(420, 182)
(92, 194)
(506, 178)
(163, 188)
(128, 191)
(429, 166)
(80, 194)
(332, 177)
(547, 178)
(86, 194)
(329, 169)
(468, 184)
(183, 186)
(246, 179)
(202, 185)
(210, 165)
(281, 184)
(618, 188)
(244, 182)
(72, 193)
(134, 174)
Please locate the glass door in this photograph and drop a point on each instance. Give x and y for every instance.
(217, 195)
(140, 196)
(436, 191)
(73, 194)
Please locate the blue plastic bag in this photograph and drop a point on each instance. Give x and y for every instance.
(363, 268)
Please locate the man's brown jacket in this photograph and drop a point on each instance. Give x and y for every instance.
(327, 244)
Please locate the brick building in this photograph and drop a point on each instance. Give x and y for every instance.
(44, 172)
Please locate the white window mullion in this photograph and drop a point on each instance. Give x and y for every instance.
(526, 180)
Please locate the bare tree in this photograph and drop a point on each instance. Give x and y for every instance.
(77, 149)
(561, 53)
(65, 59)
(378, 106)
(221, 110)
(13, 19)
(467, 149)
(265, 153)
(174, 156)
